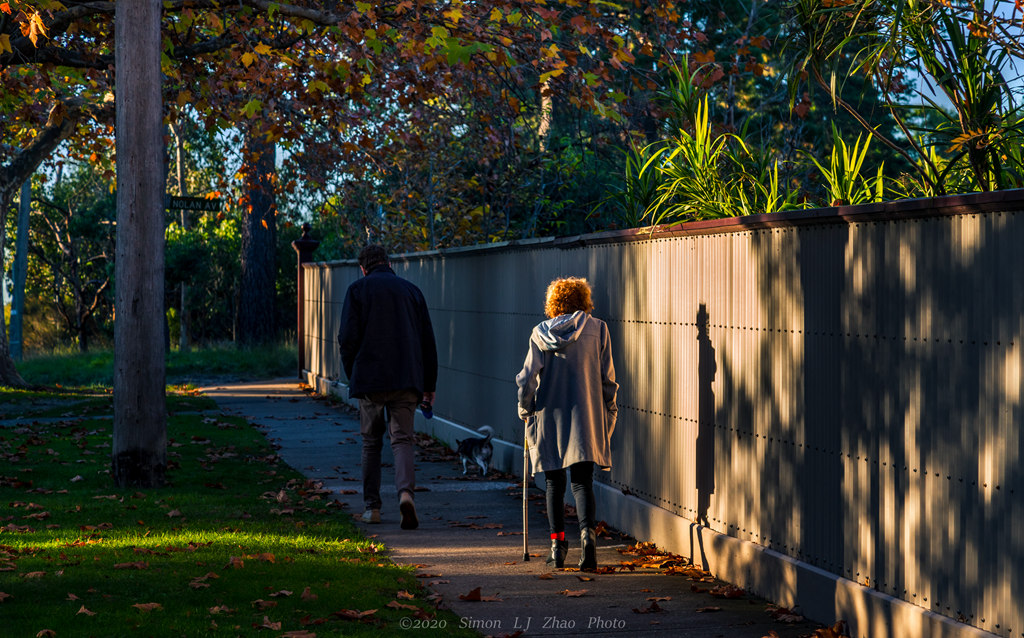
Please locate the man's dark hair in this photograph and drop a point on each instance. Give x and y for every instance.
(372, 256)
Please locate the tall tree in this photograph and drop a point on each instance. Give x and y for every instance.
(256, 319)
(140, 417)
(20, 272)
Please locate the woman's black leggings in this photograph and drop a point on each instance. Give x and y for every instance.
(582, 477)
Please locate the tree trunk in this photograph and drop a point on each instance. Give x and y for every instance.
(20, 272)
(259, 230)
(185, 337)
(8, 373)
(139, 454)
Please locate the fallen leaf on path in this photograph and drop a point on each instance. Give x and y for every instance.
(83, 610)
(46, 633)
(259, 603)
(406, 595)
(546, 576)
(573, 593)
(475, 597)
(702, 610)
(308, 595)
(659, 599)
(784, 614)
(727, 591)
(653, 609)
(276, 626)
(284, 593)
(584, 578)
(235, 562)
(837, 630)
(300, 633)
(4, 596)
(394, 604)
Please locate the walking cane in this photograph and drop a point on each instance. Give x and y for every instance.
(526, 473)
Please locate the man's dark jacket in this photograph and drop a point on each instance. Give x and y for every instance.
(387, 342)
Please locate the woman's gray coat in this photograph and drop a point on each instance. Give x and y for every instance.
(567, 392)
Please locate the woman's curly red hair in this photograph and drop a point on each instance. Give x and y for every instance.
(567, 295)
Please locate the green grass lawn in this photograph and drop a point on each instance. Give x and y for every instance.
(238, 543)
(96, 368)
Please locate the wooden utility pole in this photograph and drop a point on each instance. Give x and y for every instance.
(139, 454)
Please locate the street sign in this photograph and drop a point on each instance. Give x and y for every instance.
(194, 203)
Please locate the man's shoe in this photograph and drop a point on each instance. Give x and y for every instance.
(370, 516)
(408, 510)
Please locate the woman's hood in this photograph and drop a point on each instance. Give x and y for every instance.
(558, 332)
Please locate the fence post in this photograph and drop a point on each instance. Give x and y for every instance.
(304, 246)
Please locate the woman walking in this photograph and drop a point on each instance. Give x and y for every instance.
(567, 394)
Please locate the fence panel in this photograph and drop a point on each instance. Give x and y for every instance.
(843, 388)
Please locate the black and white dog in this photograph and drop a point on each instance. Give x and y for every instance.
(477, 450)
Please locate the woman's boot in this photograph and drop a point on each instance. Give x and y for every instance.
(559, 548)
(588, 548)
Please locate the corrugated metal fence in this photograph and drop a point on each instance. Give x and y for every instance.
(841, 386)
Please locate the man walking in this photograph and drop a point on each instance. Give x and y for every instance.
(390, 359)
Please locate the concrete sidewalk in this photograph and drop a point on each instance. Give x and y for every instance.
(470, 537)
